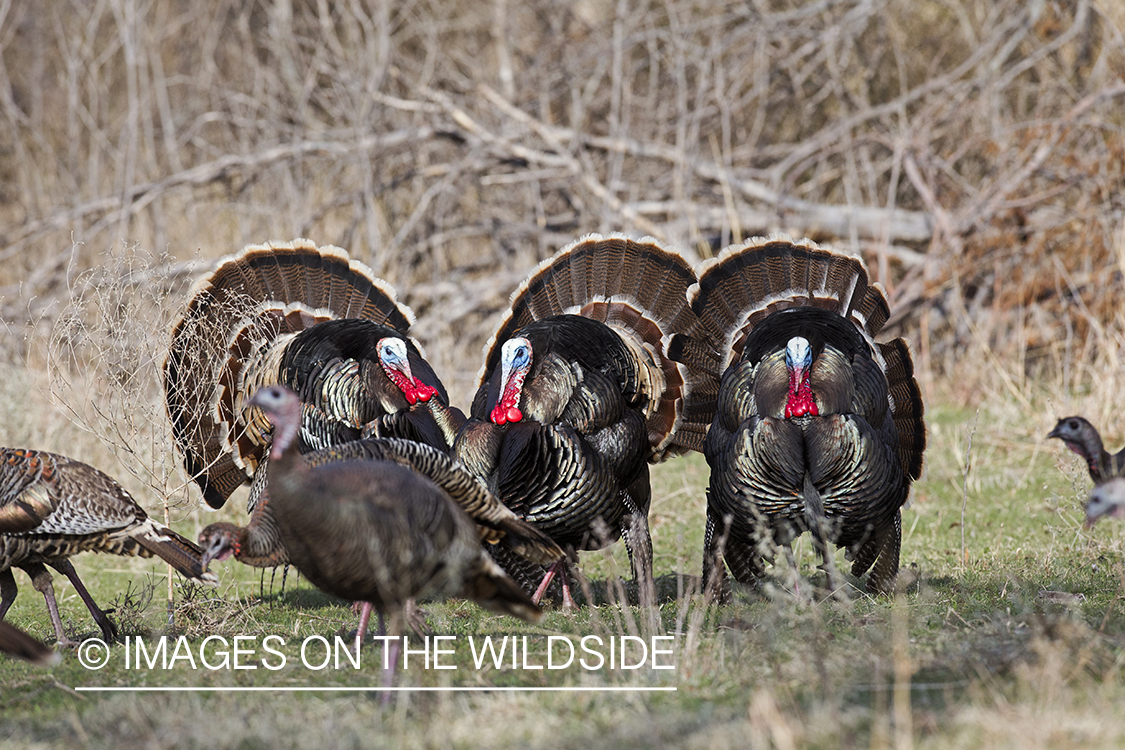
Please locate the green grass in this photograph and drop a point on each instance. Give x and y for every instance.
(1016, 642)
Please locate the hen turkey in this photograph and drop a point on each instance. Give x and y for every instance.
(496, 523)
(377, 531)
(818, 427)
(1082, 437)
(1107, 499)
(578, 394)
(53, 507)
(1106, 469)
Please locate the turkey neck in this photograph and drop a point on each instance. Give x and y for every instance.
(287, 470)
(1101, 464)
(260, 541)
(448, 421)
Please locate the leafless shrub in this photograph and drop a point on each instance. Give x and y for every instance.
(972, 150)
(104, 362)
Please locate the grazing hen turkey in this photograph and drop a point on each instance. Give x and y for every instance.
(19, 644)
(1106, 469)
(376, 531)
(496, 523)
(1082, 438)
(53, 507)
(1107, 499)
(818, 428)
(578, 394)
(308, 318)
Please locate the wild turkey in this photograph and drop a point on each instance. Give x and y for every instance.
(1082, 438)
(53, 507)
(578, 394)
(1106, 469)
(309, 318)
(496, 523)
(1107, 499)
(818, 428)
(376, 531)
(19, 644)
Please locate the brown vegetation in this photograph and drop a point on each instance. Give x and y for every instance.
(971, 150)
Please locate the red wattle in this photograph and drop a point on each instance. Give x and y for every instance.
(514, 414)
(422, 391)
(799, 407)
(499, 414)
(801, 401)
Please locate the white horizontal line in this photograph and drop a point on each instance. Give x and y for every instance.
(473, 689)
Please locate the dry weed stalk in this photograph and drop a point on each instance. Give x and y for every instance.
(104, 360)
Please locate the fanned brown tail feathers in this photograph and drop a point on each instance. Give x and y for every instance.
(231, 338)
(908, 409)
(747, 282)
(639, 289)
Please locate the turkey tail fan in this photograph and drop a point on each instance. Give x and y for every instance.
(228, 340)
(19, 644)
(907, 407)
(639, 289)
(748, 282)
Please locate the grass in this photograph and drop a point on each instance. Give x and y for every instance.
(1017, 641)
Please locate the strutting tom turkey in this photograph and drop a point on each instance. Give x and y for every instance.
(308, 318)
(53, 507)
(818, 428)
(377, 531)
(311, 319)
(578, 394)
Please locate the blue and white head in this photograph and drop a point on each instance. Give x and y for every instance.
(515, 363)
(798, 354)
(798, 359)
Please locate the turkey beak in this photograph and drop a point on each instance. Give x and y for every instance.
(214, 549)
(396, 364)
(514, 367)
